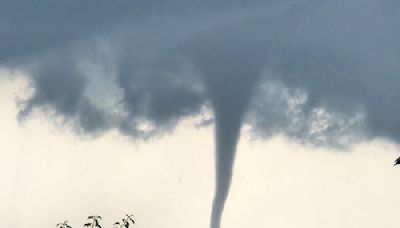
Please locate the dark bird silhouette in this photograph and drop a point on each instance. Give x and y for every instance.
(87, 224)
(397, 162)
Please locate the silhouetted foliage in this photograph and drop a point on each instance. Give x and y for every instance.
(125, 222)
(63, 225)
(94, 222)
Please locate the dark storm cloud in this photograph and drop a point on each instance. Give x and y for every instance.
(29, 27)
(344, 58)
(59, 87)
(157, 87)
(322, 72)
(153, 77)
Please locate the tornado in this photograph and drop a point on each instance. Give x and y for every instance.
(229, 108)
(230, 64)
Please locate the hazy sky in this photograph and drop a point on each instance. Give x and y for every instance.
(156, 97)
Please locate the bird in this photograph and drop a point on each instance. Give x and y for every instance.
(397, 162)
(87, 224)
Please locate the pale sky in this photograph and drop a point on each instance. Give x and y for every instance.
(48, 175)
